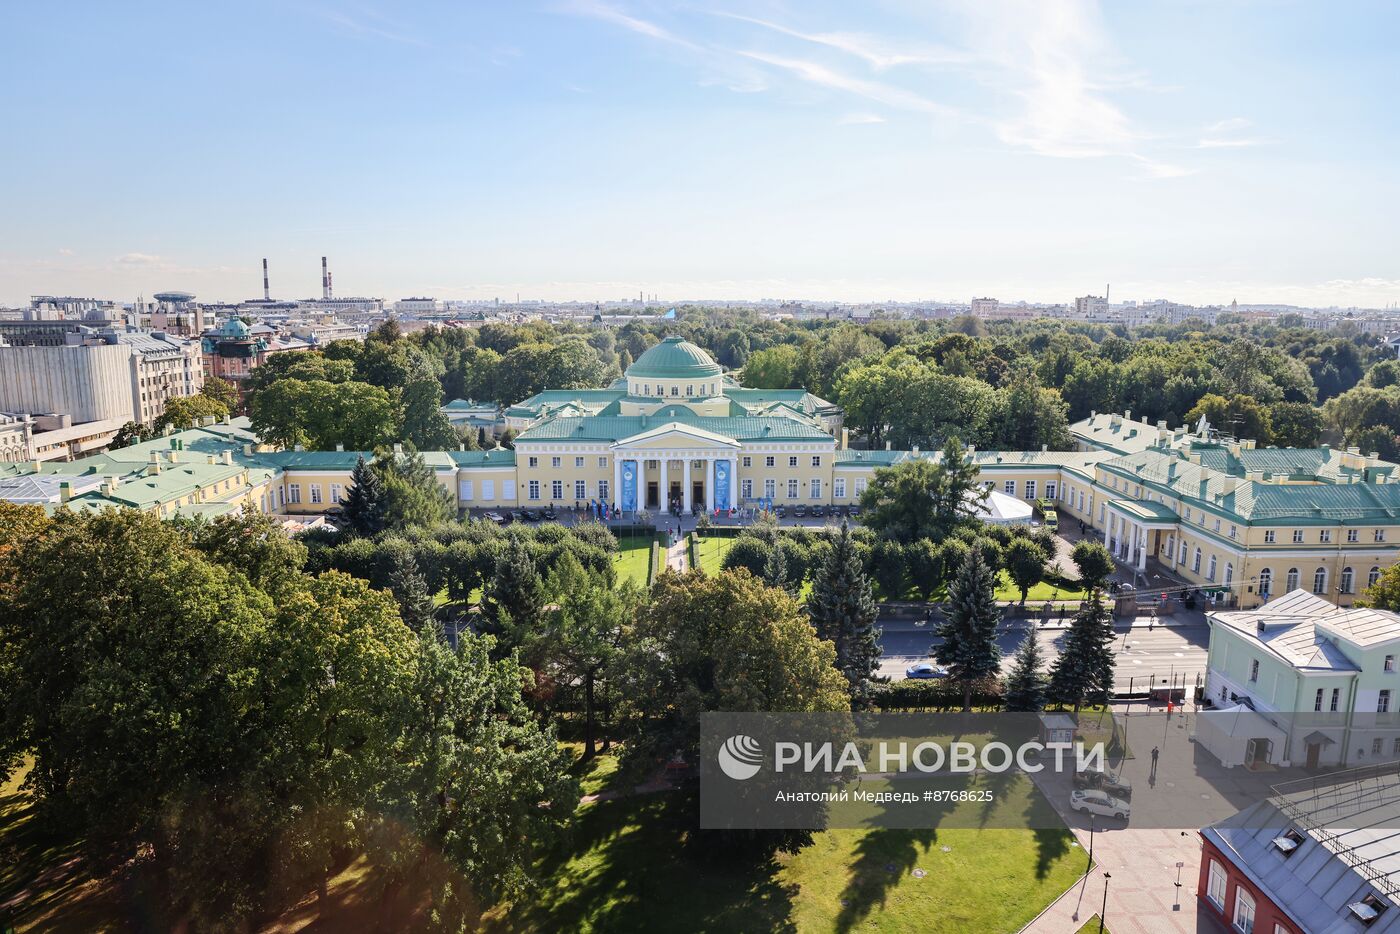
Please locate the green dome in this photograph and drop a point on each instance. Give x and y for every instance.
(675, 358)
(234, 329)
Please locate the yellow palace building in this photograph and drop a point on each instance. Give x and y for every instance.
(676, 432)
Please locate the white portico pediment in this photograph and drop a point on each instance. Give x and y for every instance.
(675, 435)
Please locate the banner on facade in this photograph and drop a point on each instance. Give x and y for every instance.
(722, 484)
(629, 486)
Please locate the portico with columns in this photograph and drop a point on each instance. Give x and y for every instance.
(690, 467)
(1135, 529)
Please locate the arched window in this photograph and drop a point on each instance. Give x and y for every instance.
(1291, 582)
(1196, 564)
(1266, 581)
(1229, 573)
(1346, 580)
(1182, 559)
(1320, 580)
(690, 390)
(1373, 576)
(1210, 575)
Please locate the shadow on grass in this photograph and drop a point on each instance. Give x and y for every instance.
(630, 865)
(882, 859)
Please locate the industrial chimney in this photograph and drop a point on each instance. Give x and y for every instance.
(325, 280)
(267, 293)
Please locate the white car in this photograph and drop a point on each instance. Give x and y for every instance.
(925, 670)
(496, 517)
(1096, 802)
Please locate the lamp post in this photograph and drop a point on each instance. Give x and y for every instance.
(1104, 910)
(1091, 843)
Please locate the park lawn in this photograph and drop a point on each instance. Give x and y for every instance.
(630, 865)
(712, 550)
(1062, 590)
(597, 775)
(1092, 926)
(632, 558)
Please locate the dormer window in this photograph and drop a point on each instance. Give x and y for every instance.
(1367, 910)
(1288, 842)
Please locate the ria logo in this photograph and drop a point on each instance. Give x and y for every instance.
(740, 757)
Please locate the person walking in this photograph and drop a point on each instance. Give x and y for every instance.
(1155, 753)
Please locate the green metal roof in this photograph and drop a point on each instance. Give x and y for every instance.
(674, 358)
(599, 428)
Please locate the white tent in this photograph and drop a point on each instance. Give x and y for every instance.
(1000, 509)
(1239, 736)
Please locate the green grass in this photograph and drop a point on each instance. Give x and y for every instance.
(597, 775)
(633, 556)
(633, 864)
(1062, 590)
(1092, 927)
(712, 551)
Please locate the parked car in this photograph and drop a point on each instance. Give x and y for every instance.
(496, 517)
(1107, 782)
(517, 516)
(549, 514)
(818, 512)
(529, 515)
(780, 512)
(924, 670)
(799, 511)
(1096, 802)
(855, 510)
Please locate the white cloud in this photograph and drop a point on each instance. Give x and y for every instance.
(611, 14)
(878, 52)
(860, 119)
(819, 74)
(139, 259)
(365, 25)
(64, 251)
(1230, 143)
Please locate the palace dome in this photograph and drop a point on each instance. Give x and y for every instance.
(674, 358)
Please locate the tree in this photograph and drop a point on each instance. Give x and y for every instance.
(1295, 424)
(514, 601)
(924, 559)
(1385, 593)
(1025, 564)
(1094, 562)
(843, 612)
(410, 491)
(749, 553)
(921, 498)
(775, 570)
(320, 414)
(710, 643)
(1031, 417)
(130, 433)
(1239, 415)
(1025, 685)
(1083, 672)
(423, 421)
(774, 368)
(221, 391)
(184, 412)
(363, 505)
(969, 633)
(888, 567)
(411, 591)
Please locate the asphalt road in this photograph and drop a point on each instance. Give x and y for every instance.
(1159, 653)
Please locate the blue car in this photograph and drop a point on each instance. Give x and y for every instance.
(925, 670)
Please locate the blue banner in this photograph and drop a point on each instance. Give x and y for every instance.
(722, 484)
(629, 486)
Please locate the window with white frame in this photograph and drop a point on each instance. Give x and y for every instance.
(1229, 574)
(1010, 487)
(1182, 559)
(1254, 670)
(838, 488)
(816, 486)
(792, 461)
(748, 462)
(1353, 535)
(1372, 576)
(768, 461)
(578, 463)
(1030, 489)
(534, 489)
(816, 460)
(675, 390)
(580, 490)
(1210, 574)
(1269, 537)
(1317, 703)
(315, 492)
(1325, 536)
(603, 461)
(1196, 563)
(556, 490)
(1336, 700)
(746, 488)
(296, 492)
(770, 488)
(464, 491)
(1215, 887)
(1266, 581)
(533, 461)
(603, 490)
(861, 484)
(1050, 489)
(1291, 580)
(337, 492)
(1244, 911)
(1379, 535)
(1320, 580)
(555, 462)
(1383, 701)
(1345, 581)
(792, 489)
(1297, 536)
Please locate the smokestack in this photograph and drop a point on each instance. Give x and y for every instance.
(325, 280)
(267, 293)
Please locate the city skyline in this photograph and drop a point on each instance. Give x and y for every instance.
(1198, 152)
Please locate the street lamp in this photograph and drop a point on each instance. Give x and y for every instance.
(1104, 910)
(1091, 843)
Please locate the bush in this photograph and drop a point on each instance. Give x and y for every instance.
(749, 553)
(933, 695)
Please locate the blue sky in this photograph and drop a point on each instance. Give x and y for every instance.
(590, 149)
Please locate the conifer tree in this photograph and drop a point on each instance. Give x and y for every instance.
(842, 609)
(1025, 685)
(410, 589)
(969, 634)
(775, 569)
(363, 505)
(514, 600)
(1084, 671)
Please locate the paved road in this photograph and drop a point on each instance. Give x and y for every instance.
(1160, 653)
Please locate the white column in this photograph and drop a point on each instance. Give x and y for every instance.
(710, 501)
(1142, 554)
(685, 488)
(615, 491)
(664, 500)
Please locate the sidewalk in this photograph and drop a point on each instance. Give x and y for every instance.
(678, 556)
(1142, 895)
